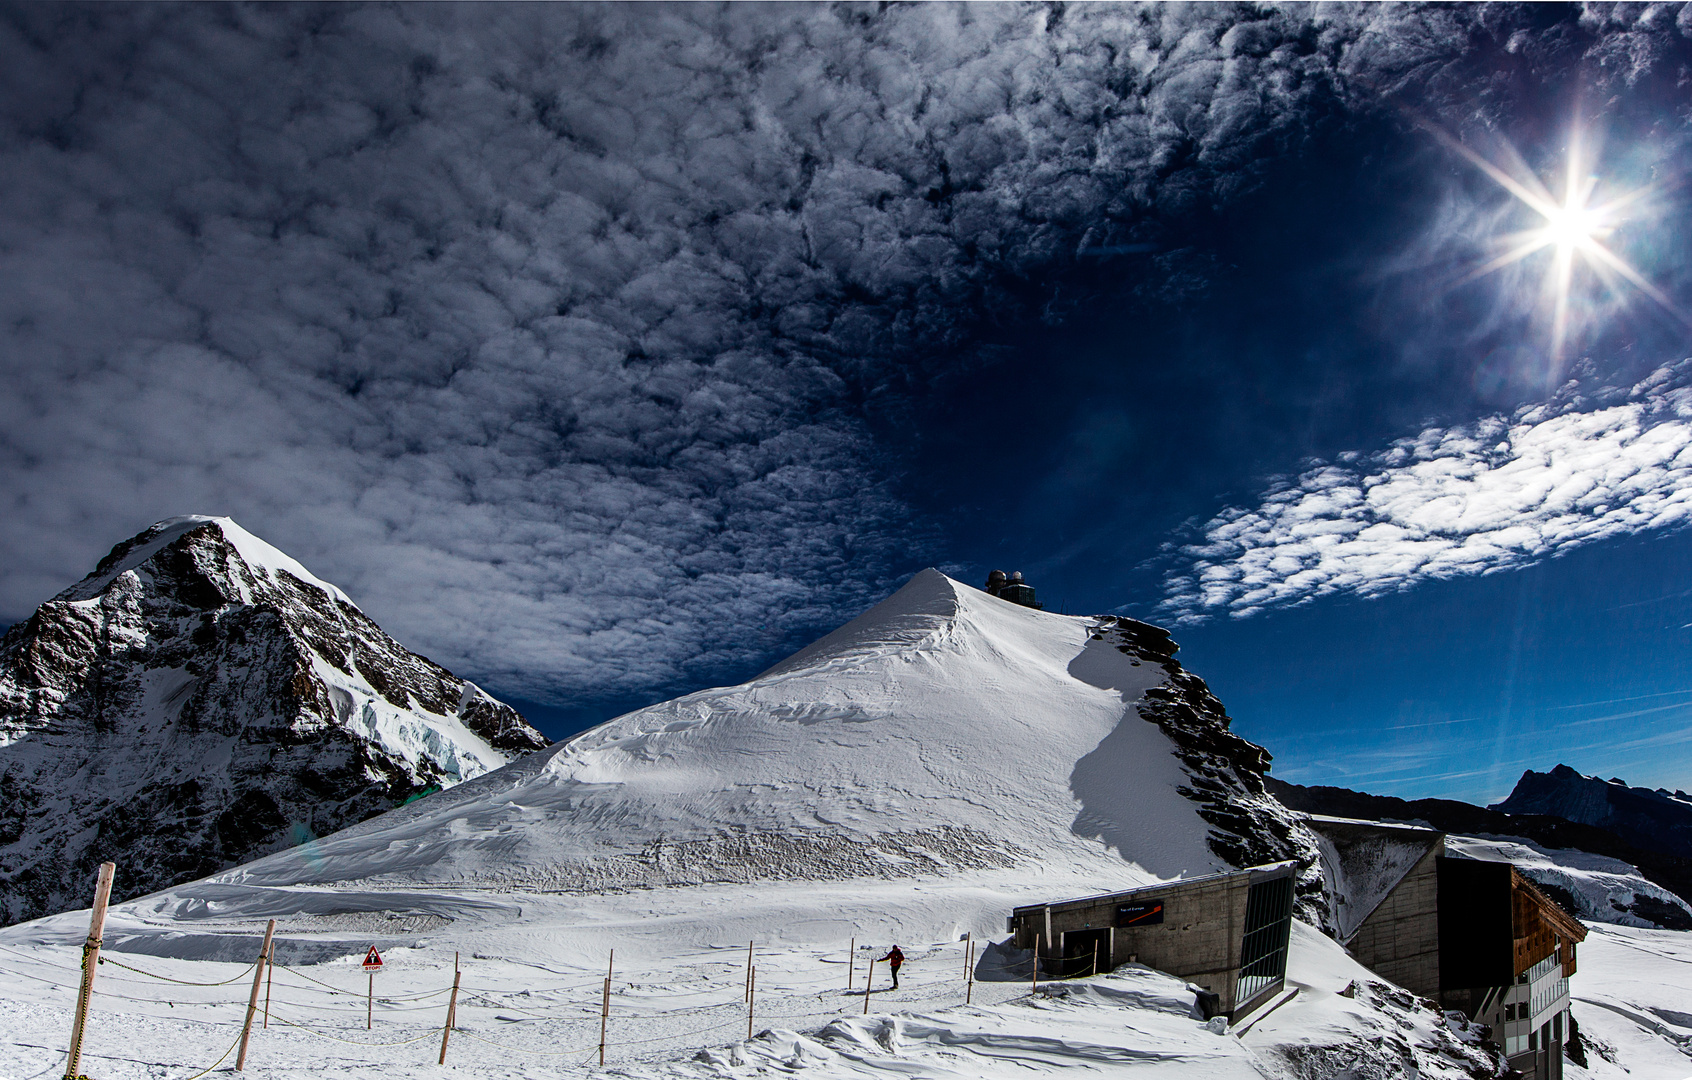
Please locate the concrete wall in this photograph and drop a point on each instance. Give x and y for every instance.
(1400, 939)
(1198, 940)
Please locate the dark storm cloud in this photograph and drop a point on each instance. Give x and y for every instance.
(548, 331)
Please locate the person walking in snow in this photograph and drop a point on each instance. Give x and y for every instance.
(894, 958)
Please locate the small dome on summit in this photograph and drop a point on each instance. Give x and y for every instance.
(1011, 587)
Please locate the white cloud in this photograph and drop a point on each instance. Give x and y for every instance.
(1451, 501)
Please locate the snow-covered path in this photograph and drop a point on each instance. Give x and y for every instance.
(686, 1016)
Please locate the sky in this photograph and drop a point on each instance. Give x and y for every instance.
(604, 353)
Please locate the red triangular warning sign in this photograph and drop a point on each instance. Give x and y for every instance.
(372, 959)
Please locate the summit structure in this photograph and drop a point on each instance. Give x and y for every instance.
(1011, 587)
(200, 700)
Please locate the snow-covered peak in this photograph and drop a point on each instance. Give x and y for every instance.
(920, 608)
(944, 732)
(201, 699)
(259, 557)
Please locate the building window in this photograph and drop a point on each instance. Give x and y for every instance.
(1268, 925)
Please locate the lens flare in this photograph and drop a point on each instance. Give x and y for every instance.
(1573, 229)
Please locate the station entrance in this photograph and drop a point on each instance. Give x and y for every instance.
(1085, 952)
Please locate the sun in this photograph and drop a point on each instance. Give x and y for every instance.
(1573, 227)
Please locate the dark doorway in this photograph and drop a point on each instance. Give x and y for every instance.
(1085, 952)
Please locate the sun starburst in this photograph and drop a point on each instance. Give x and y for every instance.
(1573, 227)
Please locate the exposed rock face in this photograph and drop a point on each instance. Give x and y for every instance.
(201, 699)
(1659, 820)
(1249, 825)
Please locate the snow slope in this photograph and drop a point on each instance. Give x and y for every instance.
(943, 734)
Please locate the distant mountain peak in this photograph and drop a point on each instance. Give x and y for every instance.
(200, 699)
(1657, 820)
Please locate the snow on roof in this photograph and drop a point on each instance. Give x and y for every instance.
(1370, 823)
(1266, 871)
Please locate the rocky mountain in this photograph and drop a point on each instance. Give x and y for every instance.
(200, 700)
(1658, 820)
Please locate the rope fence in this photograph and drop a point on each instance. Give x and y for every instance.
(341, 1001)
(573, 1008)
(179, 982)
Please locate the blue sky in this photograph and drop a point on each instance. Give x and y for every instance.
(608, 352)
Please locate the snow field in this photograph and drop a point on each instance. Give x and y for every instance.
(514, 1018)
(686, 1017)
(1633, 1001)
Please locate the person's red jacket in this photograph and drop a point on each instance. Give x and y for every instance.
(894, 956)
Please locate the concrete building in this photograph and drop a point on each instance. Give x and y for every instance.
(1227, 933)
(1475, 936)
(1382, 885)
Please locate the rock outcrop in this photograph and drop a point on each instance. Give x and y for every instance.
(201, 699)
(1249, 826)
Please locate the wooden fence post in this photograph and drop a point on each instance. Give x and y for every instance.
(604, 1015)
(851, 962)
(748, 996)
(452, 1010)
(869, 980)
(1034, 984)
(969, 980)
(259, 966)
(605, 1003)
(90, 960)
(751, 999)
(269, 974)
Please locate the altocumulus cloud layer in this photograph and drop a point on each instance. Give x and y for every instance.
(1480, 497)
(550, 331)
